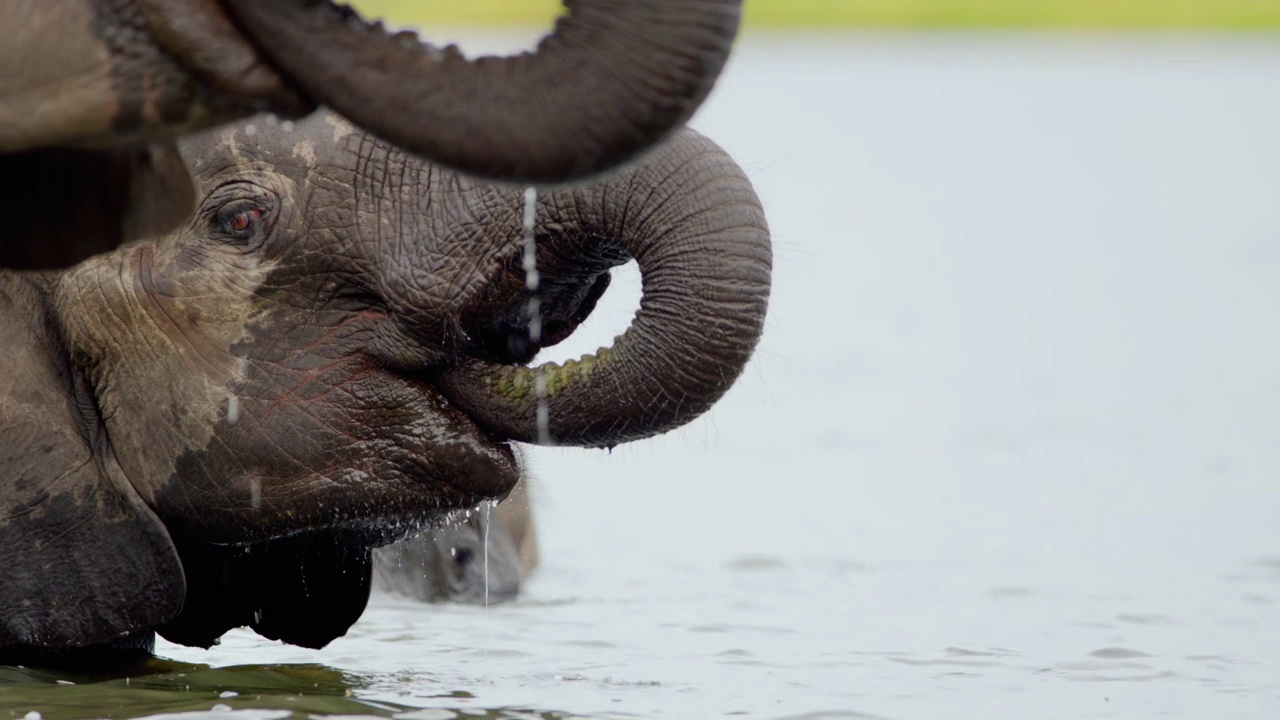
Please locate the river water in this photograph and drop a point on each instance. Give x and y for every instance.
(1008, 449)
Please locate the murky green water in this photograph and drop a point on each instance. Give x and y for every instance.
(165, 687)
(1008, 450)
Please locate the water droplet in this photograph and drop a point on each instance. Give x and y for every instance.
(532, 280)
(544, 410)
(530, 208)
(535, 317)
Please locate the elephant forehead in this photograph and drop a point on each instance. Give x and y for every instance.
(268, 137)
(304, 151)
(338, 126)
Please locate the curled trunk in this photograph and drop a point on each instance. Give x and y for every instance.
(695, 227)
(616, 77)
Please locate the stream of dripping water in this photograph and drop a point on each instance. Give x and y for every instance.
(488, 506)
(532, 282)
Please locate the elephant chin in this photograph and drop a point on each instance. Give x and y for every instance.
(615, 78)
(703, 249)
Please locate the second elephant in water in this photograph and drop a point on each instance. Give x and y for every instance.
(483, 558)
(212, 429)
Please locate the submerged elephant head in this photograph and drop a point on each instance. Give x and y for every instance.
(483, 557)
(91, 91)
(328, 354)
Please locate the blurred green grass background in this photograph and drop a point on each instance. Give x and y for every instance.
(1084, 14)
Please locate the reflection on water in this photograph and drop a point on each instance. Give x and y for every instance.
(1007, 450)
(168, 689)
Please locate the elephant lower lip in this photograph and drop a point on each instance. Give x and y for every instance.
(356, 534)
(403, 458)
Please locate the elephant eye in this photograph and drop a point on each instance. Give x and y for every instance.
(239, 222)
(463, 555)
(241, 213)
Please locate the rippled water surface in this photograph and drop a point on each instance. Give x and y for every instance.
(1009, 448)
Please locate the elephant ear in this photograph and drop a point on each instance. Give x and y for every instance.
(62, 205)
(82, 559)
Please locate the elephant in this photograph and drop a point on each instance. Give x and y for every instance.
(483, 559)
(94, 92)
(212, 428)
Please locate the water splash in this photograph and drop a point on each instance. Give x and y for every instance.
(532, 282)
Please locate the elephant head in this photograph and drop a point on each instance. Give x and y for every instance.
(211, 428)
(92, 91)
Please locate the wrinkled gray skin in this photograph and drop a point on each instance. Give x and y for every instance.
(450, 563)
(212, 428)
(93, 92)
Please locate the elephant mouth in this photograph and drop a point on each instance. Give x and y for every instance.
(501, 327)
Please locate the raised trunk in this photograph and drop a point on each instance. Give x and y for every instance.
(616, 77)
(696, 229)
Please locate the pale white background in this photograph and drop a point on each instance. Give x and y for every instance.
(1009, 446)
